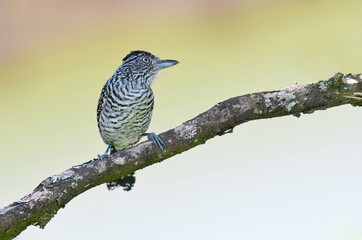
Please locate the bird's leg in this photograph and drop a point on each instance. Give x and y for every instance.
(105, 154)
(156, 139)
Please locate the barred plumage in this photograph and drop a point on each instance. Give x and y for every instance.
(126, 102)
(125, 113)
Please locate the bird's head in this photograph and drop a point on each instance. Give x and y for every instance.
(144, 67)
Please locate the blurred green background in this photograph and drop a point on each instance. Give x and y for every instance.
(284, 178)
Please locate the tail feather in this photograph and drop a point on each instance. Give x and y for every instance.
(126, 183)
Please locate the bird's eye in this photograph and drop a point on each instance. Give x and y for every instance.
(146, 59)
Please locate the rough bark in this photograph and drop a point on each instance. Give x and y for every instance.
(38, 207)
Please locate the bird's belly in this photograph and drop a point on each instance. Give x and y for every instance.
(126, 128)
(127, 136)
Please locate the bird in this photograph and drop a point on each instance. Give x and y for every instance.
(125, 106)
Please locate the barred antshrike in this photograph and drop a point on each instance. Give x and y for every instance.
(125, 106)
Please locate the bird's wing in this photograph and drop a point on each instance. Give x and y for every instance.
(101, 102)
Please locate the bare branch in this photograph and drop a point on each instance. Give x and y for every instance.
(38, 207)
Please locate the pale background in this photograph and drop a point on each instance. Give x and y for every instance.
(284, 178)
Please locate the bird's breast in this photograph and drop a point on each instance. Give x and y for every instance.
(126, 116)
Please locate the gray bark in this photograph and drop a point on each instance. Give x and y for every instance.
(40, 206)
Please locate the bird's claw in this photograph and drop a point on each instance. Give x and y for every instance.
(105, 154)
(156, 139)
(100, 157)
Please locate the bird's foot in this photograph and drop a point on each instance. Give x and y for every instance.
(105, 154)
(100, 157)
(156, 139)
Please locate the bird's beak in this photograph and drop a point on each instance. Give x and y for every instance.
(166, 63)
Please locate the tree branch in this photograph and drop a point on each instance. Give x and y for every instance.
(38, 207)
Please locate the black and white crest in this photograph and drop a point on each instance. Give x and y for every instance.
(137, 53)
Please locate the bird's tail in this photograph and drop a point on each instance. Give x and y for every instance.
(126, 182)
